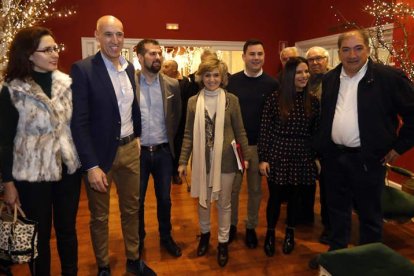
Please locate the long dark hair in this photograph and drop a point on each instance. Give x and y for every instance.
(288, 89)
(24, 44)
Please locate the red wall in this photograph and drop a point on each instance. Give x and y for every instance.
(199, 20)
(317, 18)
(269, 20)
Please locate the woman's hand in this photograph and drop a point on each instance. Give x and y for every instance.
(11, 196)
(264, 168)
(182, 170)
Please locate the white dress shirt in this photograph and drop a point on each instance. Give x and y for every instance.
(345, 128)
(124, 93)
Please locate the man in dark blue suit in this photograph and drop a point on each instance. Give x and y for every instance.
(106, 126)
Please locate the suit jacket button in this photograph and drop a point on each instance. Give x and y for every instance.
(117, 138)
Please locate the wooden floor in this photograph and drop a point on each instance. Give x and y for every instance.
(242, 261)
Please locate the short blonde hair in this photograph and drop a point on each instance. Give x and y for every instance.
(208, 65)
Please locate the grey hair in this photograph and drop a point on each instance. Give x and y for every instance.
(319, 49)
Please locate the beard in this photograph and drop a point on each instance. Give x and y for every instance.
(155, 67)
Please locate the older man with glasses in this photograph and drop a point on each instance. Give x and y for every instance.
(318, 59)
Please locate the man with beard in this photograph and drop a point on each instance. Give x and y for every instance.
(160, 104)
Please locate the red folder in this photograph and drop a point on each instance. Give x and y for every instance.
(239, 155)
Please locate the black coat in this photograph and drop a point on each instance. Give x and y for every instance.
(385, 94)
(96, 121)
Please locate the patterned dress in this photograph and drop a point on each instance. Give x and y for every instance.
(286, 145)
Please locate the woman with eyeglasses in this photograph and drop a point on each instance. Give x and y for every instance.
(290, 118)
(39, 162)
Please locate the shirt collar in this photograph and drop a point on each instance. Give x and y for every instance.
(255, 75)
(143, 79)
(110, 65)
(361, 71)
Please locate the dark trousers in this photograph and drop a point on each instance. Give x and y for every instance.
(305, 210)
(323, 201)
(44, 201)
(159, 165)
(277, 194)
(178, 142)
(351, 181)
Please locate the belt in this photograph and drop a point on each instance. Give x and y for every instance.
(153, 148)
(127, 139)
(345, 149)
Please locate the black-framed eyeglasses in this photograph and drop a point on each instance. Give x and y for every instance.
(317, 59)
(50, 50)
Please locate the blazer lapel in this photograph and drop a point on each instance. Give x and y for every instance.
(137, 77)
(164, 92)
(103, 74)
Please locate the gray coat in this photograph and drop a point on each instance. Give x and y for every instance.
(233, 129)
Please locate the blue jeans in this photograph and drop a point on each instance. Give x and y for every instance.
(159, 164)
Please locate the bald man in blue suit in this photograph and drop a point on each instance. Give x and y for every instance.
(106, 126)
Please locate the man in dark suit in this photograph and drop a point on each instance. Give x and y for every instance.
(106, 127)
(362, 102)
(160, 105)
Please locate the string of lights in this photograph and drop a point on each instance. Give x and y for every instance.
(18, 14)
(398, 14)
(385, 13)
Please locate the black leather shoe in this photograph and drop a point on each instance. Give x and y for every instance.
(289, 242)
(138, 267)
(314, 262)
(269, 245)
(251, 238)
(203, 244)
(222, 253)
(171, 247)
(104, 271)
(232, 233)
(324, 238)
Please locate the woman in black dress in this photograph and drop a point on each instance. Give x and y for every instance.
(290, 118)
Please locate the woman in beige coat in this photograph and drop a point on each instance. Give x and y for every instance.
(213, 122)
